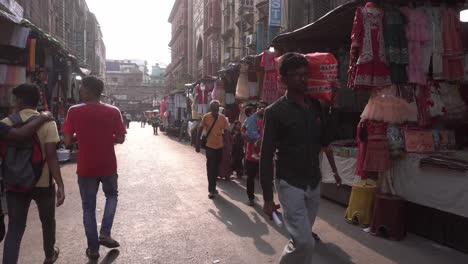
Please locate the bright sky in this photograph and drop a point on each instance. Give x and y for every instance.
(136, 29)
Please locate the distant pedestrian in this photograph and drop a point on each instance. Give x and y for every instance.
(225, 166)
(154, 121)
(44, 192)
(252, 157)
(214, 124)
(96, 127)
(143, 121)
(129, 119)
(295, 131)
(124, 119)
(237, 149)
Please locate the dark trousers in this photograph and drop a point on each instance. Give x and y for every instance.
(18, 207)
(88, 190)
(213, 160)
(252, 171)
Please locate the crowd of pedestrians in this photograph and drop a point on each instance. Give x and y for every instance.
(281, 145)
(29, 140)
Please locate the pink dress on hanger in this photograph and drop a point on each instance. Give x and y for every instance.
(453, 48)
(418, 35)
(368, 66)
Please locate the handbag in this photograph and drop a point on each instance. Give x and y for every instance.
(205, 137)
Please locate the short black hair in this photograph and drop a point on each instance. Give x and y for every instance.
(249, 111)
(93, 84)
(291, 61)
(28, 93)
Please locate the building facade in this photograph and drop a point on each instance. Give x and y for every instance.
(128, 88)
(238, 38)
(178, 70)
(72, 23)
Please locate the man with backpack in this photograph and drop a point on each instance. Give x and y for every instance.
(30, 169)
(96, 127)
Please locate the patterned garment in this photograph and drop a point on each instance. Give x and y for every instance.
(368, 66)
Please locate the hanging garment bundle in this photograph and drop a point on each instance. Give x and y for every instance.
(323, 75)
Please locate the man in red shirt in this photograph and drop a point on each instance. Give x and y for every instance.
(96, 127)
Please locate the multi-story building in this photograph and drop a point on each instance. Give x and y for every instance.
(70, 22)
(212, 36)
(128, 88)
(177, 73)
(302, 12)
(237, 30)
(198, 47)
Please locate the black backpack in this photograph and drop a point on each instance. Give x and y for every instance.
(22, 161)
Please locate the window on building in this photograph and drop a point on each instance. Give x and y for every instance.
(200, 49)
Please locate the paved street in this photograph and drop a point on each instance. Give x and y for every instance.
(164, 216)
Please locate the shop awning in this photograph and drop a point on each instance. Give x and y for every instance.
(328, 32)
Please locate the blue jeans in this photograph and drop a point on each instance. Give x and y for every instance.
(88, 190)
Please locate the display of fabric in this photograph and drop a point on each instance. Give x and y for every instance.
(373, 151)
(453, 60)
(455, 107)
(202, 98)
(444, 162)
(385, 106)
(218, 92)
(270, 90)
(32, 43)
(368, 63)
(418, 140)
(396, 44)
(12, 75)
(436, 46)
(242, 89)
(418, 36)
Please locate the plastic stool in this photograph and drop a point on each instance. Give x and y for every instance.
(389, 217)
(361, 203)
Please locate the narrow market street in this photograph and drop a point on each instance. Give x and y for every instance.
(164, 216)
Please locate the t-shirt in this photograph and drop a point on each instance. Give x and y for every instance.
(95, 125)
(4, 130)
(215, 138)
(47, 133)
(251, 124)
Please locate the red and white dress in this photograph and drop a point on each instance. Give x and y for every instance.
(368, 65)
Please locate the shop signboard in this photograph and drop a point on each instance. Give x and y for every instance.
(275, 13)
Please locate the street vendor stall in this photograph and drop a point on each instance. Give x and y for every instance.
(402, 86)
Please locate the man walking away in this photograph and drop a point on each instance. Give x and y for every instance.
(293, 129)
(143, 121)
(96, 127)
(215, 124)
(44, 193)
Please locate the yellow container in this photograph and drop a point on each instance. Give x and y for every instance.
(361, 204)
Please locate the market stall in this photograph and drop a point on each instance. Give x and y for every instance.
(402, 113)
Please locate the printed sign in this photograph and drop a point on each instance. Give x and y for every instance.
(275, 13)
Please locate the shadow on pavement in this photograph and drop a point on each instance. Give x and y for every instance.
(110, 257)
(330, 253)
(238, 222)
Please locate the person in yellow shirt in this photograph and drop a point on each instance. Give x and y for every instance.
(214, 124)
(26, 100)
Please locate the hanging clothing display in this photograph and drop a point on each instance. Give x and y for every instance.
(396, 45)
(455, 108)
(385, 106)
(270, 92)
(373, 155)
(418, 36)
(218, 92)
(202, 93)
(368, 63)
(12, 75)
(242, 88)
(437, 44)
(252, 84)
(453, 60)
(32, 43)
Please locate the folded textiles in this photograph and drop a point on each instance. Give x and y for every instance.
(444, 162)
(344, 143)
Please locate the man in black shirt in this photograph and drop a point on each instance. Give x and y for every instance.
(294, 130)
